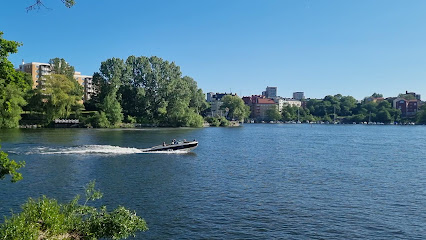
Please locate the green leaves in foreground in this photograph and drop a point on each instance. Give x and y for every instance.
(45, 218)
(10, 167)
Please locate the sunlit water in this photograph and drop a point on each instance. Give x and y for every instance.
(259, 181)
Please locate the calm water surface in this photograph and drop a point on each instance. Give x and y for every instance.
(260, 181)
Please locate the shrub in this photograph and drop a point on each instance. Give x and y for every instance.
(45, 218)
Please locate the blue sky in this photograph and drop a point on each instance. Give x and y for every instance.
(319, 47)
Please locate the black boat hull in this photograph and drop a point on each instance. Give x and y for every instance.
(186, 146)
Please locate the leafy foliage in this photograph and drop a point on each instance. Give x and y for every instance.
(347, 108)
(149, 89)
(13, 85)
(407, 96)
(11, 103)
(273, 114)
(377, 95)
(59, 97)
(421, 116)
(10, 167)
(217, 121)
(45, 218)
(62, 67)
(236, 107)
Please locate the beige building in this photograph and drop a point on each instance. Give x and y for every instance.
(39, 70)
(282, 102)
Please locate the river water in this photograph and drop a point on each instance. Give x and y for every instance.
(259, 181)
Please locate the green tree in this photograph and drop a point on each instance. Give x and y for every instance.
(197, 97)
(384, 105)
(421, 117)
(395, 114)
(62, 67)
(112, 109)
(383, 116)
(289, 113)
(273, 114)
(11, 103)
(59, 97)
(151, 90)
(377, 95)
(10, 167)
(109, 80)
(13, 86)
(407, 96)
(347, 103)
(236, 107)
(358, 118)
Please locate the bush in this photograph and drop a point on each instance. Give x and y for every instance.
(45, 218)
(217, 121)
(98, 120)
(130, 119)
(223, 122)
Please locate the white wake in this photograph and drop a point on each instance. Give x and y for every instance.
(94, 150)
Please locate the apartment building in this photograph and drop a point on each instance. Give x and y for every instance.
(89, 88)
(38, 71)
(215, 101)
(87, 83)
(408, 107)
(261, 106)
(282, 102)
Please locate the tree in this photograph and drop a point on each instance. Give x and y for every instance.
(11, 103)
(407, 96)
(347, 103)
(150, 89)
(289, 113)
(13, 85)
(60, 66)
(358, 118)
(39, 3)
(421, 116)
(59, 97)
(10, 167)
(112, 109)
(377, 95)
(109, 80)
(383, 116)
(273, 114)
(237, 108)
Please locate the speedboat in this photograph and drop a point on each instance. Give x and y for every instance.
(174, 146)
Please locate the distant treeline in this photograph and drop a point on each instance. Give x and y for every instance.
(346, 109)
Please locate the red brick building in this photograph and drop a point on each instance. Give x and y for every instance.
(408, 107)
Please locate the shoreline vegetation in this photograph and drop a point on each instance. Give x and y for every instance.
(152, 92)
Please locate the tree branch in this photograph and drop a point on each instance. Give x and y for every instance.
(39, 3)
